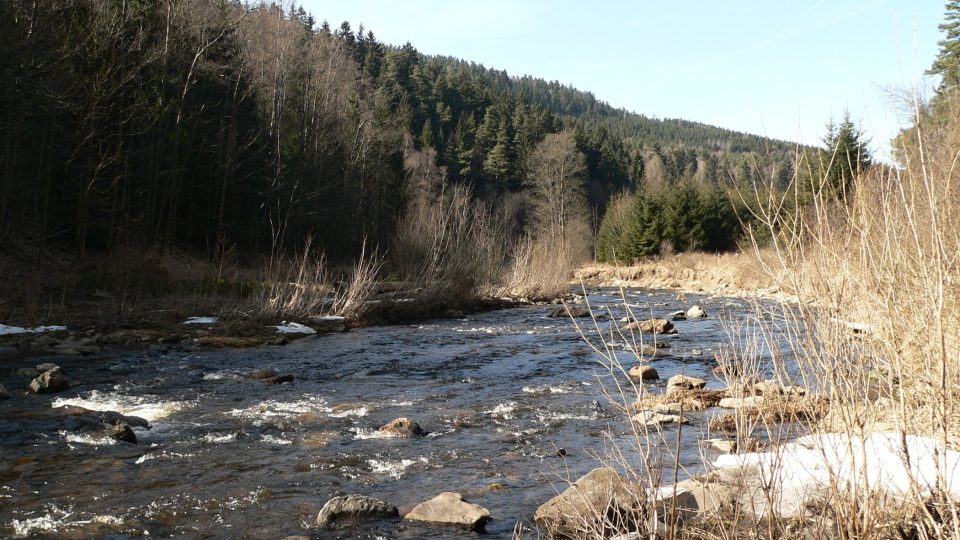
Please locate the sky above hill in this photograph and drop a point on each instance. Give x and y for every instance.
(772, 68)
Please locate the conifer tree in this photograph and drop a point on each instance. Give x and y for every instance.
(947, 63)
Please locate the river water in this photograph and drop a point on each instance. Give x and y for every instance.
(226, 456)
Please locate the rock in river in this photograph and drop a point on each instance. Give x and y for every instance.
(354, 506)
(450, 509)
(643, 372)
(696, 312)
(569, 311)
(50, 382)
(123, 432)
(403, 427)
(652, 326)
(4, 394)
(653, 418)
(685, 382)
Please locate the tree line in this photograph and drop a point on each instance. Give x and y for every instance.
(221, 126)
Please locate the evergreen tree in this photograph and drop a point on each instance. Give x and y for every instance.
(845, 156)
(947, 63)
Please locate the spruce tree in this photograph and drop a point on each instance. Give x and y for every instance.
(947, 63)
(845, 156)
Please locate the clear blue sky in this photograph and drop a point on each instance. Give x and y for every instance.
(781, 69)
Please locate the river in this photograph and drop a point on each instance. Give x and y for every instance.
(226, 456)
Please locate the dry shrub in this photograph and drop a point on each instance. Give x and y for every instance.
(543, 262)
(301, 286)
(875, 327)
(449, 249)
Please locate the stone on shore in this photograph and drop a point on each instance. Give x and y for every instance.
(50, 382)
(748, 402)
(328, 323)
(354, 507)
(596, 505)
(403, 427)
(450, 509)
(643, 372)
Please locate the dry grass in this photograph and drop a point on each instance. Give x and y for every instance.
(731, 274)
(869, 325)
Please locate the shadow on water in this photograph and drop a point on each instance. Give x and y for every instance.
(500, 392)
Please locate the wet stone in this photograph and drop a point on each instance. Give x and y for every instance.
(451, 509)
(354, 507)
(50, 382)
(403, 427)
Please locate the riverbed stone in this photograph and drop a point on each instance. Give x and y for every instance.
(450, 508)
(50, 382)
(354, 507)
(696, 312)
(47, 366)
(747, 402)
(678, 316)
(643, 372)
(569, 311)
(726, 446)
(328, 323)
(654, 418)
(26, 372)
(685, 382)
(123, 432)
(652, 326)
(597, 504)
(4, 394)
(403, 427)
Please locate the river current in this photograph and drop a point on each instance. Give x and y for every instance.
(501, 394)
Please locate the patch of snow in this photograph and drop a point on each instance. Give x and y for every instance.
(201, 320)
(330, 318)
(294, 328)
(8, 330)
(878, 462)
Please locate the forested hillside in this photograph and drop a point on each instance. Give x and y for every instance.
(208, 126)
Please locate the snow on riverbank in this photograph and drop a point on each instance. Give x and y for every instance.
(8, 330)
(805, 469)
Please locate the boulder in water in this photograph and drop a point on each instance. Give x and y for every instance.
(47, 366)
(569, 311)
(403, 427)
(653, 418)
(652, 326)
(269, 375)
(123, 432)
(685, 382)
(50, 382)
(643, 372)
(4, 394)
(678, 316)
(354, 506)
(450, 509)
(696, 312)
